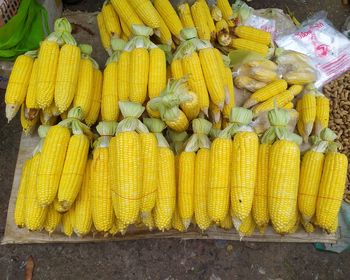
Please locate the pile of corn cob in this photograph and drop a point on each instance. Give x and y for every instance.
(179, 152)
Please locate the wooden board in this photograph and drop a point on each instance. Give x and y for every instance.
(21, 236)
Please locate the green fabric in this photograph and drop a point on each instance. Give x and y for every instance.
(24, 31)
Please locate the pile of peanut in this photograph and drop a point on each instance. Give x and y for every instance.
(338, 91)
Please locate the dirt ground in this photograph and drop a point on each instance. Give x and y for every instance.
(166, 259)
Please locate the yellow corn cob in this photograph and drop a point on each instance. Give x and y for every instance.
(245, 82)
(150, 173)
(109, 102)
(68, 221)
(201, 175)
(47, 69)
(168, 14)
(83, 216)
(34, 214)
(123, 77)
(200, 20)
(299, 78)
(83, 95)
(147, 13)
(185, 187)
(260, 210)
(58, 206)
(283, 184)
(308, 107)
(95, 107)
(125, 163)
(222, 26)
(231, 103)
(28, 125)
(266, 92)
(105, 37)
(245, 149)
(164, 33)
(331, 190)
(185, 15)
(148, 221)
(176, 69)
(31, 92)
(300, 125)
(243, 44)
(100, 195)
(126, 31)
(191, 66)
(179, 124)
(213, 79)
(191, 108)
(216, 13)
(152, 113)
(215, 113)
(289, 106)
(225, 8)
(157, 72)
(126, 13)
(279, 100)
(223, 33)
(227, 223)
(51, 164)
(176, 221)
(310, 176)
(219, 174)
(18, 84)
(263, 75)
(166, 194)
(53, 219)
(19, 215)
(67, 76)
(221, 65)
(111, 20)
(322, 113)
(73, 170)
(253, 34)
(247, 226)
(266, 64)
(139, 69)
(209, 19)
(296, 89)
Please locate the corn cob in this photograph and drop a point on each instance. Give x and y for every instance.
(215, 113)
(111, 20)
(225, 8)
(230, 89)
(126, 30)
(288, 106)
(157, 72)
(176, 120)
(260, 210)
(34, 214)
(19, 215)
(139, 72)
(279, 100)
(191, 108)
(300, 125)
(73, 170)
(331, 190)
(227, 223)
(51, 164)
(100, 195)
(296, 89)
(200, 20)
(185, 15)
(47, 69)
(176, 221)
(247, 227)
(219, 175)
(68, 221)
(245, 82)
(94, 111)
(150, 174)
(216, 13)
(123, 70)
(53, 219)
(322, 113)
(263, 75)
(243, 44)
(29, 120)
(168, 14)
(245, 149)
(83, 216)
(209, 19)
(18, 84)
(266, 64)
(253, 34)
(67, 76)
(223, 33)
(191, 66)
(105, 37)
(299, 78)
(126, 13)
(109, 102)
(308, 107)
(147, 13)
(164, 33)
(266, 92)
(213, 79)
(152, 112)
(176, 69)
(31, 92)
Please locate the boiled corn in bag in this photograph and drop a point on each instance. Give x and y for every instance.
(284, 168)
